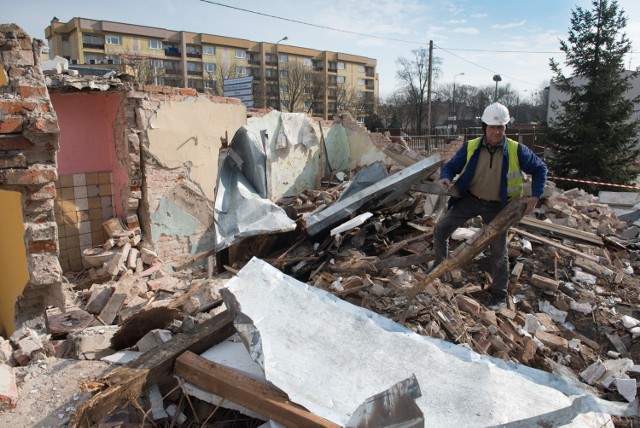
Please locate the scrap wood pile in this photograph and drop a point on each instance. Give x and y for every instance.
(574, 292)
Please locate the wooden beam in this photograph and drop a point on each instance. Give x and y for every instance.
(557, 229)
(246, 392)
(555, 244)
(466, 251)
(127, 382)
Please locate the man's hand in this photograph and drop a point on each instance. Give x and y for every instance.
(530, 202)
(446, 182)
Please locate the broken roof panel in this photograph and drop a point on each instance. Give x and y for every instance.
(241, 207)
(331, 356)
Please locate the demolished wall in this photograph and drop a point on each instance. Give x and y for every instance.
(28, 142)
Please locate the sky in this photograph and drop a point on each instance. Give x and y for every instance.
(474, 40)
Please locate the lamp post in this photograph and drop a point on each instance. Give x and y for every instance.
(496, 78)
(453, 101)
(278, 70)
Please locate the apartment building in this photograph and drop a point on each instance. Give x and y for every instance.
(288, 78)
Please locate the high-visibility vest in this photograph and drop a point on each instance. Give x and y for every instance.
(514, 175)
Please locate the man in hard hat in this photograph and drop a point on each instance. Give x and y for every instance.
(489, 176)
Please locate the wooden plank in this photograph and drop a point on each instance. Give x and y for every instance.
(565, 231)
(555, 244)
(110, 311)
(466, 251)
(127, 382)
(193, 260)
(247, 392)
(394, 248)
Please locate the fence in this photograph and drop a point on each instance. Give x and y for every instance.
(426, 142)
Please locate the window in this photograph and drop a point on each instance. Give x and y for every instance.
(268, 72)
(91, 39)
(192, 49)
(158, 63)
(284, 89)
(307, 105)
(191, 66)
(341, 79)
(307, 76)
(209, 84)
(208, 49)
(307, 90)
(240, 53)
(241, 71)
(341, 66)
(155, 44)
(114, 59)
(307, 62)
(283, 57)
(285, 104)
(112, 39)
(360, 81)
(210, 67)
(284, 74)
(361, 68)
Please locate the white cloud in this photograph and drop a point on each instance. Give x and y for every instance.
(468, 30)
(510, 24)
(456, 21)
(479, 15)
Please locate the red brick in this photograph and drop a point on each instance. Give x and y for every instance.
(43, 247)
(11, 124)
(49, 126)
(47, 191)
(16, 107)
(16, 161)
(31, 176)
(29, 91)
(188, 91)
(152, 88)
(15, 143)
(16, 72)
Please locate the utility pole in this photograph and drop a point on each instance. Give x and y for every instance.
(278, 72)
(428, 140)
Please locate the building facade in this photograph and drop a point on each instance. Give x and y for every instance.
(285, 77)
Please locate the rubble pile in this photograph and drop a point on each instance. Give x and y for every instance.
(573, 304)
(574, 293)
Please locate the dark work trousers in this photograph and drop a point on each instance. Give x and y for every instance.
(468, 207)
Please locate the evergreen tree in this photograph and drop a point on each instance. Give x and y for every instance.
(593, 137)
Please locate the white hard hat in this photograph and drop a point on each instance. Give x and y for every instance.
(496, 114)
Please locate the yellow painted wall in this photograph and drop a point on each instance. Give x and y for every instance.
(189, 132)
(14, 273)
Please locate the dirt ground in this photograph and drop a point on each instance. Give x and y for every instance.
(49, 392)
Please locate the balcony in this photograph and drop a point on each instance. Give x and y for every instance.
(271, 62)
(172, 52)
(93, 46)
(254, 62)
(172, 71)
(369, 86)
(192, 54)
(194, 72)
(332, 69)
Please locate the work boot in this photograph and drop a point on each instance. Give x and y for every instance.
(497, 304)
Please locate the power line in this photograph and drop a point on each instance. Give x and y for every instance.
(325, 27)
(480, 66)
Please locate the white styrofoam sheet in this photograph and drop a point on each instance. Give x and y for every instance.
(330, 356)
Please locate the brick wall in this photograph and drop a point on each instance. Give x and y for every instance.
(28, 142)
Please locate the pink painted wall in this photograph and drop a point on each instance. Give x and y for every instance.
(87, 142)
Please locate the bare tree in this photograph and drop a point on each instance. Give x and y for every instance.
(214, 80)
(295, 83)
(144, 70)
(414, 77)
(350, 99)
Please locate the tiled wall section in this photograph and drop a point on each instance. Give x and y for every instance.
(83, 203)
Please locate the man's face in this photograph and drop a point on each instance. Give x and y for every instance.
(495, 134)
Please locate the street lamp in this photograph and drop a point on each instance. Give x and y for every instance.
(496, 78)
(278, 70)
(453, 102)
